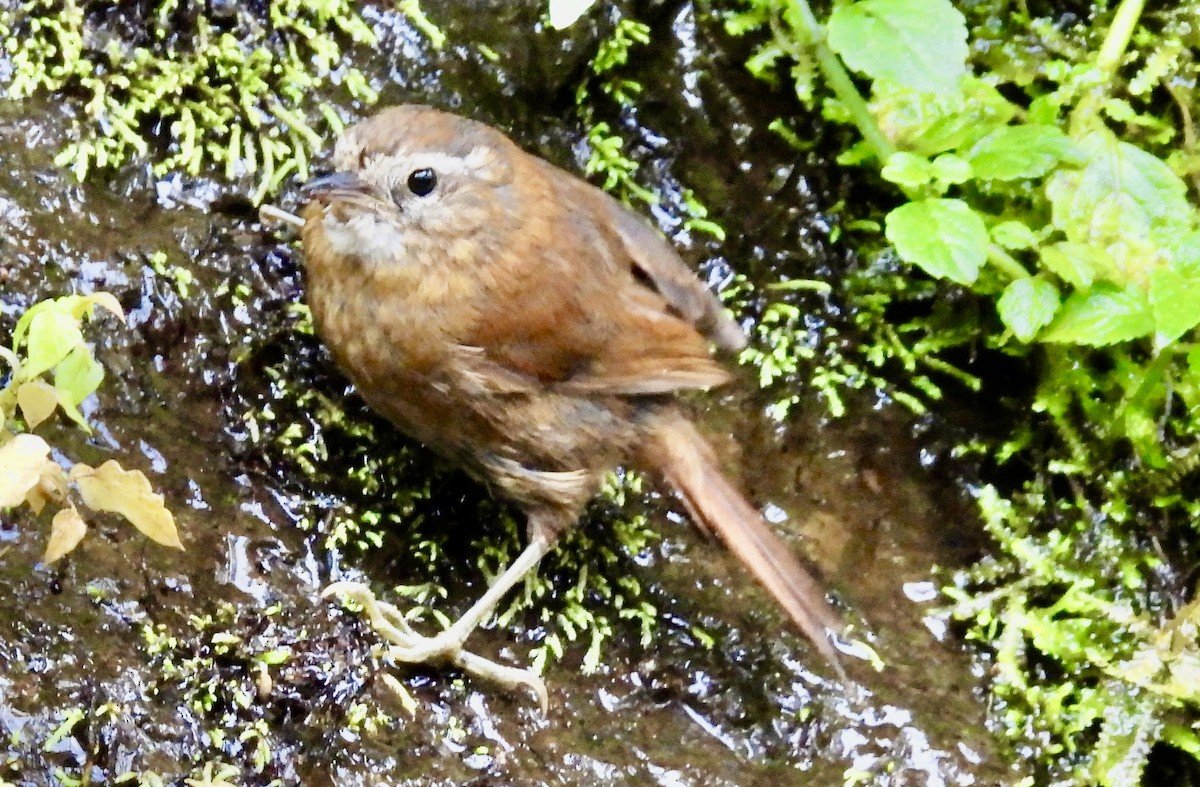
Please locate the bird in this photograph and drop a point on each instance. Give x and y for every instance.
(536, 332)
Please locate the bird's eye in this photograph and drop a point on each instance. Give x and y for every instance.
(422, 181)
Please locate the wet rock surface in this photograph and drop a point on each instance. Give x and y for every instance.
(164, 659)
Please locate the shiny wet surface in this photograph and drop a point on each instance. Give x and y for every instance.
(158, 649)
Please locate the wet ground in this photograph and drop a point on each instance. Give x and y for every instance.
(164, 659)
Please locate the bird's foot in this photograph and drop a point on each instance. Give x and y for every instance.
(409, 647)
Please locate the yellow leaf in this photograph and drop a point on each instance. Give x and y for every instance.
(110, 487)
(23, 460)
(66, 531)
(106, 300)
(37, 400)
(51, 486)
(81, 306)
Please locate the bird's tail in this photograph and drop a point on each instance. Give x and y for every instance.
(685, 459)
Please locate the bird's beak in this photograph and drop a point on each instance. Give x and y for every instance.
(339, 184)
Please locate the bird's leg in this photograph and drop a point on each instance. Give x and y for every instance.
(412, 648)
(451, 640)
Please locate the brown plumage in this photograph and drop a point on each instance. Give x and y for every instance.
(528, 326)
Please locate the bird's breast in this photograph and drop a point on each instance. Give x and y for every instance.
(384, 316)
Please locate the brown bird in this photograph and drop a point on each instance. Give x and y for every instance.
(531, 328)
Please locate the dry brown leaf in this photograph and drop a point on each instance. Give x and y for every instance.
(23, 460)
(66, 531)
(37, 399)
(111, 487)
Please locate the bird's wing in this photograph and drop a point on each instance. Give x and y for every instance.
(617, 312)
(656, 263)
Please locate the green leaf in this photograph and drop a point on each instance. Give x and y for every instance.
(1175, 300)
(37, 400)
(105, 300)
(1027, 306)
(928, 124)
(1078, 264)
(1043, 110)
(943, 237)
(949, 168)
(79, 375)
(76, 306)
(1124, 200)
(52, 336)
(1185, 255)
(1104, 315)
(918, 44)
(1182, 738)
(1016, 152)
(1013, 235)
(907, 169)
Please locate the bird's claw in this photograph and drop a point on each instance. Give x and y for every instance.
(511, 678)
(409, 647)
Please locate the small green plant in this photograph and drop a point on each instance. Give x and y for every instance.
(181, 278)
(215, 774)
(52, 368)
(224, 679)
(1044, 196)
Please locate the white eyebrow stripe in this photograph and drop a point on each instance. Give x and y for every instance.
(438, 161)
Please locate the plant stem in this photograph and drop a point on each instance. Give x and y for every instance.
(1006, 263)
(843, 86)
(1112, 52)
(1118, 36)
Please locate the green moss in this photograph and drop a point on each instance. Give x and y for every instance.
(1095, 657)
(233, 669)
(607, 157)
(794, 349)
(1089, 669)
(612, 54)
(609, 88)
(180, 278)
(246, 95)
